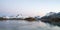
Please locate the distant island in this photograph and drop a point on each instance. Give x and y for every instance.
(51, 18)
(15, 18)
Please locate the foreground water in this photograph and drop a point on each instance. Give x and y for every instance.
(25, 25)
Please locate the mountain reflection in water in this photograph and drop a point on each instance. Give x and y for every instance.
(25, 25)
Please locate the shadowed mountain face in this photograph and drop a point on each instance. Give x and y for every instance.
(52, 18)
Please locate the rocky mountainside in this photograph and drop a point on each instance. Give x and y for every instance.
(53, 18)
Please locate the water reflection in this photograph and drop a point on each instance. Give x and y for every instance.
(25, 25)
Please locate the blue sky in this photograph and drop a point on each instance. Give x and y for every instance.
(28, 7)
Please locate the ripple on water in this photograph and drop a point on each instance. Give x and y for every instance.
(25, 25)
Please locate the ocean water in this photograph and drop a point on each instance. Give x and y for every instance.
(25, 25)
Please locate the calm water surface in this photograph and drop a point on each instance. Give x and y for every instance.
(25, 25)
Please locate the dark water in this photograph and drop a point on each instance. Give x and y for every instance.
(25, 25)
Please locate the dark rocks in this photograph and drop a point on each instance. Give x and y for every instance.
(30, 19)
(53, 19)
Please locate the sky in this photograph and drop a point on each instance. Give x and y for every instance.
(28, 7)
